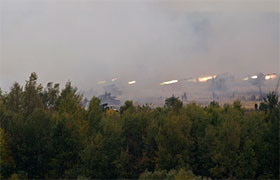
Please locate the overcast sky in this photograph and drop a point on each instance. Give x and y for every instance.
(86, 41)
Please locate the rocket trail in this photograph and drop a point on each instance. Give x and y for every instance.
(131, 82)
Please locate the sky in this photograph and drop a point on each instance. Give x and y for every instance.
(149, 41)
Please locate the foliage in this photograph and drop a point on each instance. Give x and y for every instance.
(47, 133)
(172, 174)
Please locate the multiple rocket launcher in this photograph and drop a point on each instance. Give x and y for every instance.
(207, 78)
(218, 83)
(202, 79)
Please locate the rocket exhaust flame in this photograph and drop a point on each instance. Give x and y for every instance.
(169, 82)
(270, 76)
(131, 82)
(206, 78)
(254, 77)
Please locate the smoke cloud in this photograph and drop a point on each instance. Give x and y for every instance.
(147, 41)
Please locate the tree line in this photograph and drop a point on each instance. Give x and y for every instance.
(47, 133)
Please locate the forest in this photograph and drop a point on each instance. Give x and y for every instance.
(48, 133)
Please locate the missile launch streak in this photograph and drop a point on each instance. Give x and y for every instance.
(131, 82)
(206, 78)
(169, 82)
(270, 76)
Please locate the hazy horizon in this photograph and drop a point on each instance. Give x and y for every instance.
(148, 41)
